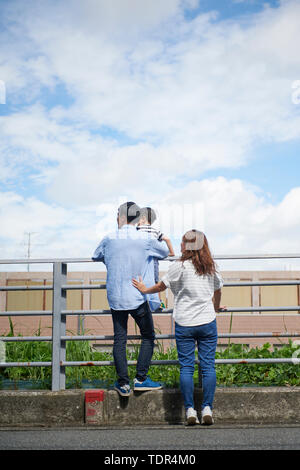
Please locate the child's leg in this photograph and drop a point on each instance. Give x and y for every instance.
(156, 274)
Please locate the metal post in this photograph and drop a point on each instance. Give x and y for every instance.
(58, 326)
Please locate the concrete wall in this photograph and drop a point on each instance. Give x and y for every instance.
(274, 405)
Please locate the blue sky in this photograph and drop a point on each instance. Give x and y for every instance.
(273, 168)
(180, 103)
(230, 9)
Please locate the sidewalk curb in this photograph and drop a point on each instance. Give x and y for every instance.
(251, 405)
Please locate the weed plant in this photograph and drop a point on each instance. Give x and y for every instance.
(105, 376)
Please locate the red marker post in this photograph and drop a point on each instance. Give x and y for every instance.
(94, 402)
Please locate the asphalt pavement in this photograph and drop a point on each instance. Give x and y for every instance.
(152, 438)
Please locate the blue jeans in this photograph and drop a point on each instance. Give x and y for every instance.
(206, 338)
(143, 317)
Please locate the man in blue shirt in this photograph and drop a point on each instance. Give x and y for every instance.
(127, 254)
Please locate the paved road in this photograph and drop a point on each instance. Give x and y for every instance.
(153, 438)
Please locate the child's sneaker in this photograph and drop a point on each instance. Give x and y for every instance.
(123, 390)
(206, 416)
(191, 417)
(161, 307)
(147, 384)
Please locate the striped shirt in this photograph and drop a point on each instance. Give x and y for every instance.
(193, 294)
(150, 229)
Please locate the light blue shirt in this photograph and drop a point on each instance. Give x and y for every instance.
(128, 253)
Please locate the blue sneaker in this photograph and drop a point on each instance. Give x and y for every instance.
(147, 384)
(123, 390)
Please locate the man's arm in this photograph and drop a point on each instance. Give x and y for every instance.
(99, 252)
(158, 249)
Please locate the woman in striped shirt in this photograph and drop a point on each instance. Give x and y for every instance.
(196, 285)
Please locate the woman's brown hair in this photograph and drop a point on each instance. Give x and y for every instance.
(197, 250)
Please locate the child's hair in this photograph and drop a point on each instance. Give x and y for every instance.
(149, 214)
(197, 250)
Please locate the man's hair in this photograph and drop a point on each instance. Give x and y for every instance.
(149, 214)
(130, 210)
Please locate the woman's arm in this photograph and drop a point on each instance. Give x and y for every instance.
(159, 287)
(217, 300)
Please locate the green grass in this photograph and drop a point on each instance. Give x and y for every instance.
(227, 374)
(258, 374)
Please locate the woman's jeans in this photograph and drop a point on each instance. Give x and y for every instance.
(143, 317)
(206, 338)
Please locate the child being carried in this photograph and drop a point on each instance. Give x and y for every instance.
(147, 218)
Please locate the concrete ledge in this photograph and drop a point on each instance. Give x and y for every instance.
(41, 408)
(278, 405)
(265, 405)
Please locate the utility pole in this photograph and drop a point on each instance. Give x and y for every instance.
(29, 246)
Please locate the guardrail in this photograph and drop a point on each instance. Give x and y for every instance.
(59, 314)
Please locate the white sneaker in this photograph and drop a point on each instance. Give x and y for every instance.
(206, 416)
(191, 417)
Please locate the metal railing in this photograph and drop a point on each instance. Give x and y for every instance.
(59, 313)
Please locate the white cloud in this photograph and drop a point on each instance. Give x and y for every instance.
(19, 215)
(56, 232)
(196, 95)
(180, 97)
(236, 218)
(211, 78)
